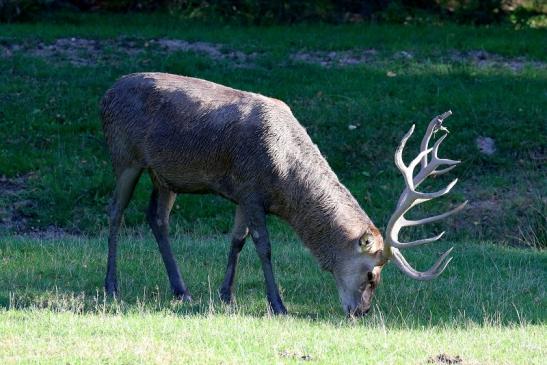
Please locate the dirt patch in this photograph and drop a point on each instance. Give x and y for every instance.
(513, 213)
(77, 51)
(479, 58)
(295, 355)
(213, 50)
(13, 204)
(483, 59)
(84, 52)
(339, 58)
(445, 359)
(478, 214)
(482, 206)
(14, 208)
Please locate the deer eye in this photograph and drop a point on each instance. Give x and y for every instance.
(367, 240)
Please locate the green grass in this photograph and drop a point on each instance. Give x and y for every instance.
(163, 338)
(51, 131)
(488, 307)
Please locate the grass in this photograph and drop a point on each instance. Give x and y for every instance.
(49, 114)
(489, 307)
(167, 339)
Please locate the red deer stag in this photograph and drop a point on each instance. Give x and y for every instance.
(195, 136)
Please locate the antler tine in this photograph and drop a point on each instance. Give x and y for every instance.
(436, 270)
(443, 171)
(435, 218)
(437, 194)
(399, 157)
(410, 198)
(434, 125)
(402, 222)
(396, 244)
(437, 144)
(430, 168)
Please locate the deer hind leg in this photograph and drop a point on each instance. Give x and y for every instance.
(161, 202)
(239, 234)
(125, 185)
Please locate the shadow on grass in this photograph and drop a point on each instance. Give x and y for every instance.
(485, 284)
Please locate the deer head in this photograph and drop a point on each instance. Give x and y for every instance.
(375, 252)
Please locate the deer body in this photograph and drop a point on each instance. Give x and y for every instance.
(195, 136)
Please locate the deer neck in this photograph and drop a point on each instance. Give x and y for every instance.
(325, 215)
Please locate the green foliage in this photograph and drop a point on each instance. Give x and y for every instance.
(11, 10)
(262, 12)
(253, 11)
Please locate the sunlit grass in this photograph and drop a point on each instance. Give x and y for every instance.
(233, 339)
(489, 307)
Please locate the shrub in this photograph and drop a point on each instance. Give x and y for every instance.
(11, 10)
(519, 12)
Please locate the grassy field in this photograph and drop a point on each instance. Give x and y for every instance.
(379, 79)
(356, 88)
(488, 308)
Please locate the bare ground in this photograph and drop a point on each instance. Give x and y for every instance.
(82, 52)
(14, 208)
(478, 58)
(445, 359)
(13, 203)
(336, 59)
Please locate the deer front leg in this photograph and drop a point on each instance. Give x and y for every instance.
(239, 234)
(256, 220)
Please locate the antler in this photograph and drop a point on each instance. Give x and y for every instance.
(410, 197)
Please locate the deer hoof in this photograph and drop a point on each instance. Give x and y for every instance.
(278, 309)
(183, 297)
(226, 296)
(111, 290)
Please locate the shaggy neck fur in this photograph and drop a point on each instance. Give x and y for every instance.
(321, 210)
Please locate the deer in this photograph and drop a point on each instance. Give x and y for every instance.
(197, 137)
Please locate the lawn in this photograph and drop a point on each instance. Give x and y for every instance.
(376, 78)
(487, 308)
(357, 89)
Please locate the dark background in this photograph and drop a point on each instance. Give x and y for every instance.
(265, 12)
